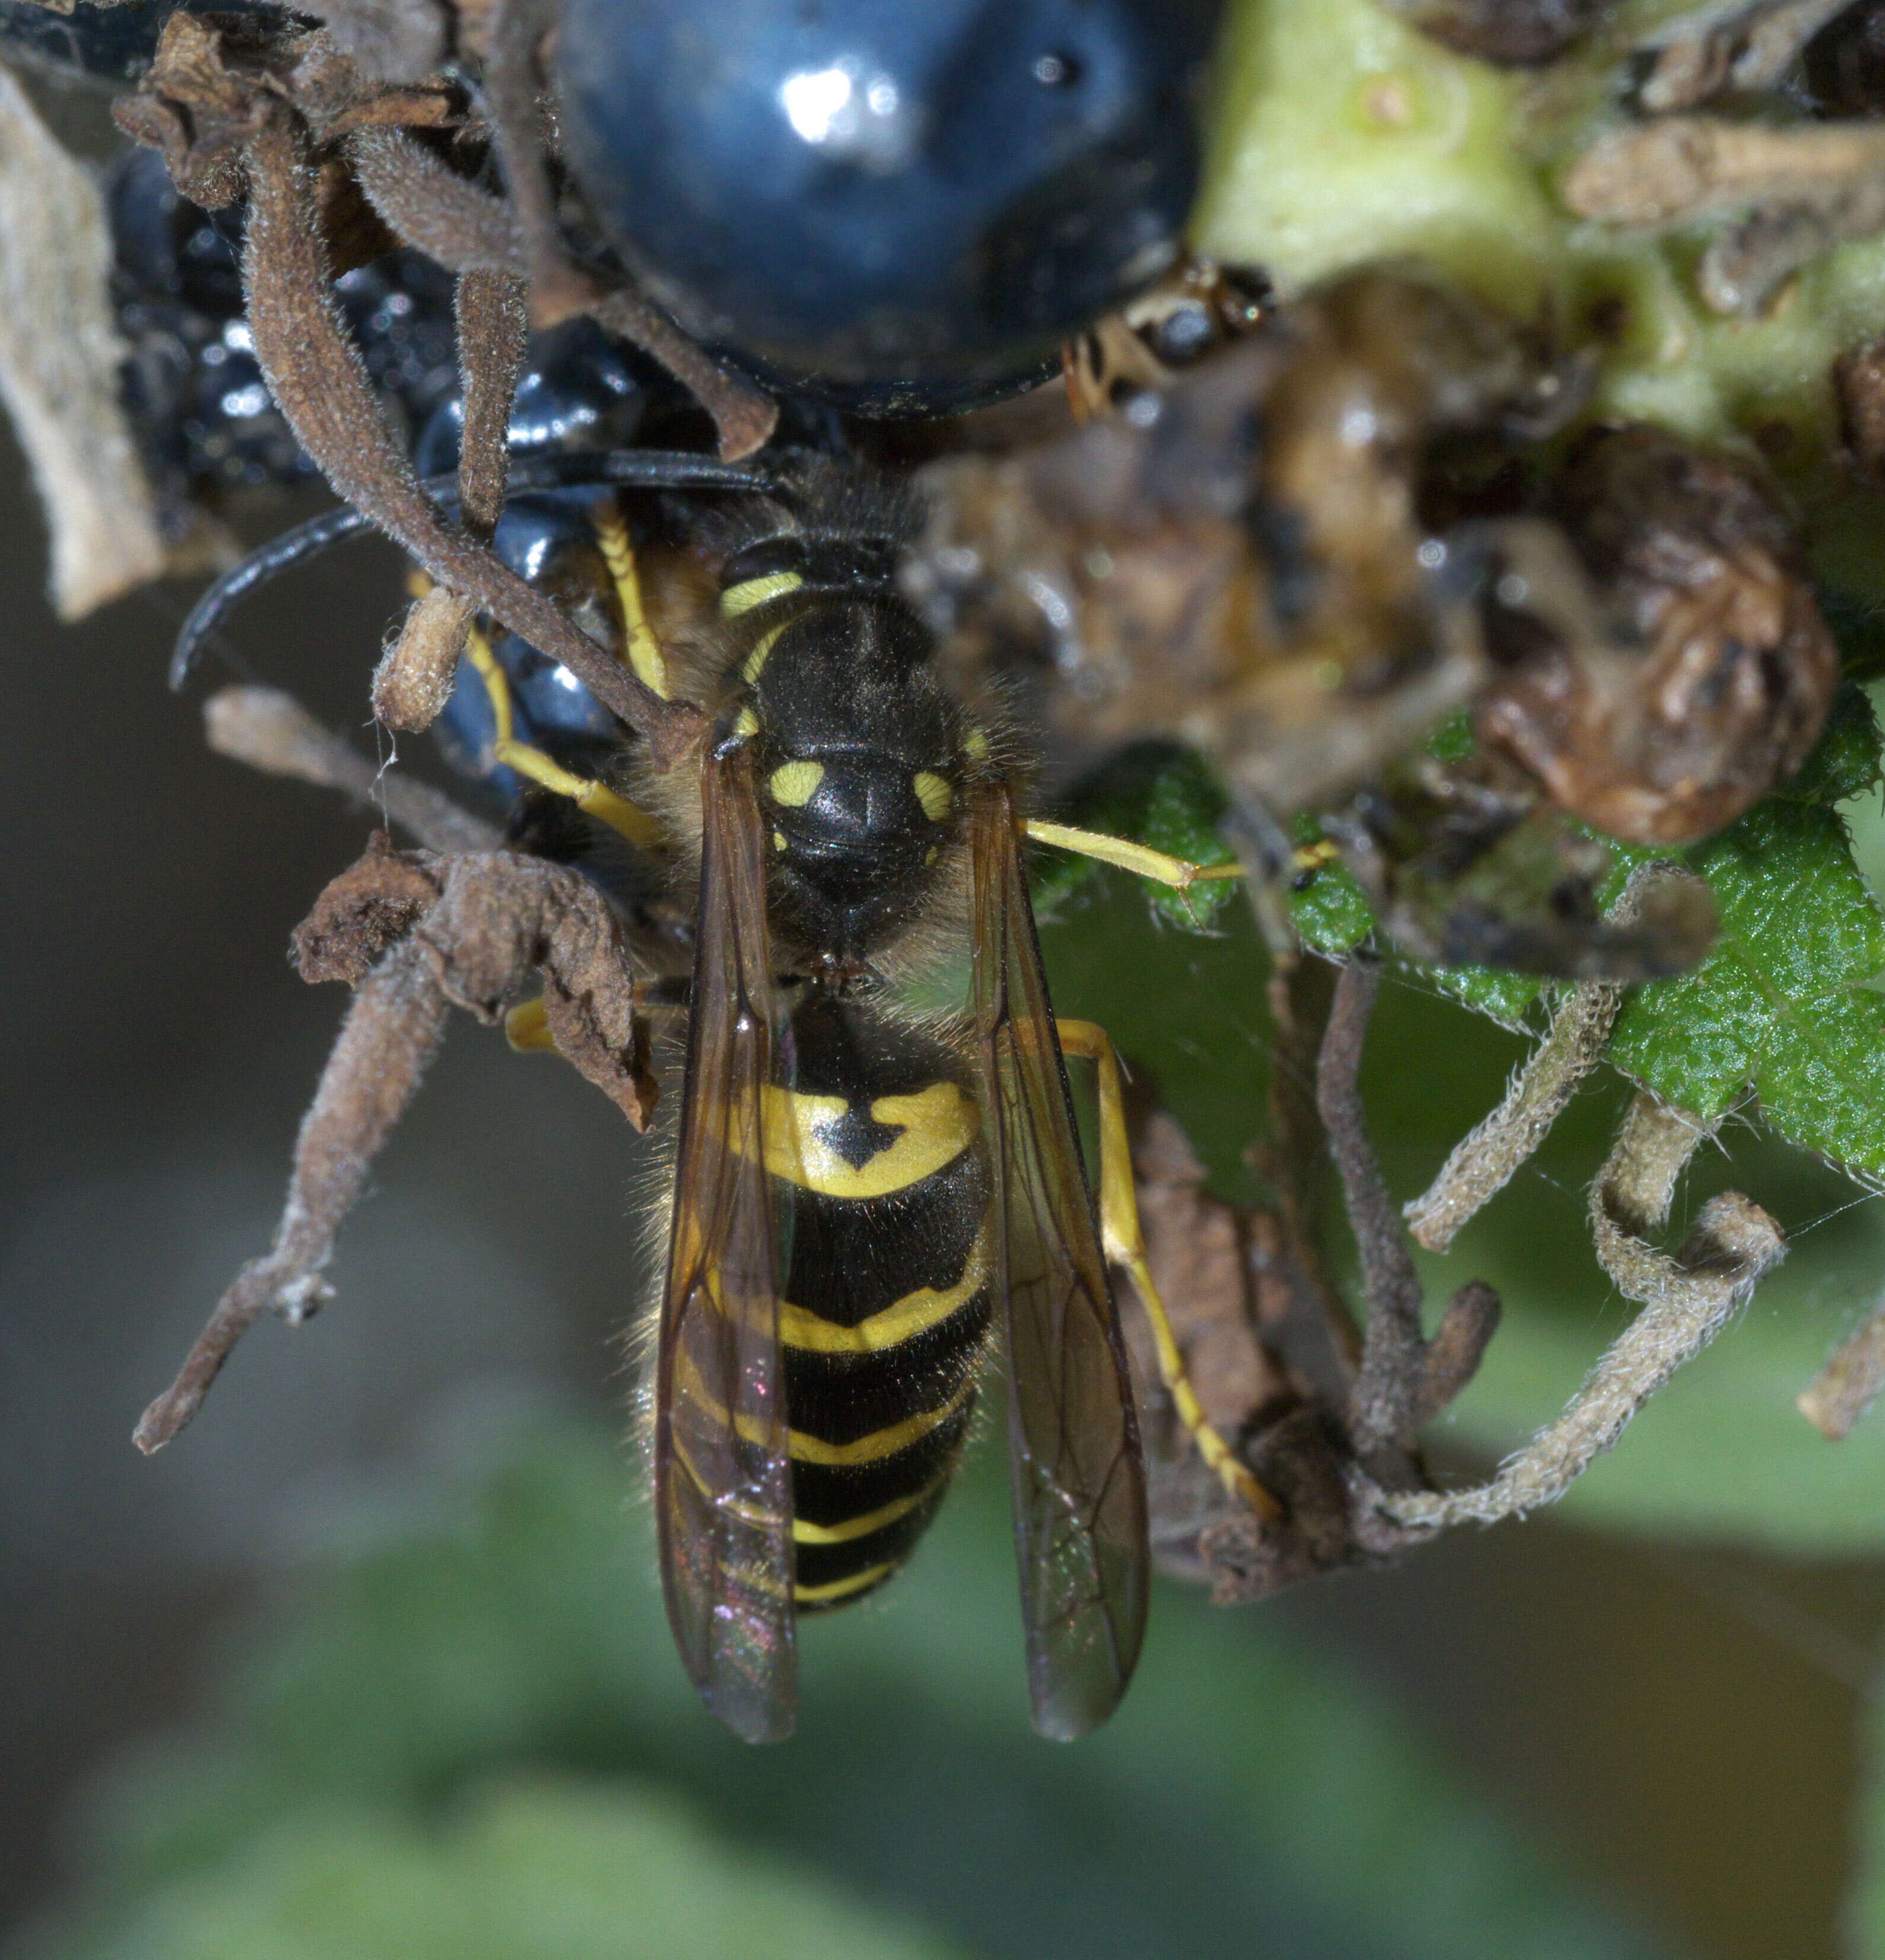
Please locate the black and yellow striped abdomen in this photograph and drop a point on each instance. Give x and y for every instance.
(885, 1304)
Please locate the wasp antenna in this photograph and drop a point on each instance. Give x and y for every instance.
(614, 469)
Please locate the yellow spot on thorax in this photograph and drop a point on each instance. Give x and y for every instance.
(975, 745)
(745, 725)
(934, 793)
(937, 1123)
(795, 784)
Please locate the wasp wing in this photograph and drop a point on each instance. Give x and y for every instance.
(1080, 1516)
(722, 1471)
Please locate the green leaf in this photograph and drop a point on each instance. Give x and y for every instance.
(543, 1870)
(1250, 1797)
(1783, 1002)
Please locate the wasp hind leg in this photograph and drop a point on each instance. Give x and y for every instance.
(594, 798)
(1125, 1246)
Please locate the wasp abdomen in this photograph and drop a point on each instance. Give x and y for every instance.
(885, 1309)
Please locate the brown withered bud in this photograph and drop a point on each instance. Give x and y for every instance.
(1858, 384)
(1691, 676)
(1513, 34)
(1238, 560)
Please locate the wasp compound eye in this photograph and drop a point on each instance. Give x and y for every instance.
(901, 208)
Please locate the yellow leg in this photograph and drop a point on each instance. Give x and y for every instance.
(1141, 858)
(596, 799)
(644, 651)
(1128, 856)
(1125, 1247)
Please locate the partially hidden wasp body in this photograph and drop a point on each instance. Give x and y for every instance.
(857, 1196)
(869, 1199)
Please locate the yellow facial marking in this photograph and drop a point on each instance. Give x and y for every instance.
(752, 592)
(745, 725)
(795, 784)
(937, 1123)
(916, 1313)
(841, 1589)
(935, 795)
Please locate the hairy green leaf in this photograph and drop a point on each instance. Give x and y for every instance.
(1785, 1003)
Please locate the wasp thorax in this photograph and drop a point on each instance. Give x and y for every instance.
(858, 768)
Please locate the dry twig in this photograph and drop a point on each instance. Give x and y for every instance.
(418, 934)
(1745, 46)
(1849, 1384)
(315, 374)
(1484, 1161)
(1403, 1380)
(271, 731)
(1686, 1300)
(414, 681)
(1653, 175)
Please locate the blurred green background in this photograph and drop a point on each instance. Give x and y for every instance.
(371, 1662)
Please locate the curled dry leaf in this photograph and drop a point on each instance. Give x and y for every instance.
(1705, 677)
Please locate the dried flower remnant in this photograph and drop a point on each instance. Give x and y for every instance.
(1706, 677)
(1238, 562)
(1745, 47)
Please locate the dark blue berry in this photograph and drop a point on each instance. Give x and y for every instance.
(903, 207)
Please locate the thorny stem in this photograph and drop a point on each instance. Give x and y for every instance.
(391, 1033)
(316, 374)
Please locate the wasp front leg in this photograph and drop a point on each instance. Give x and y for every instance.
(1125, 1246)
